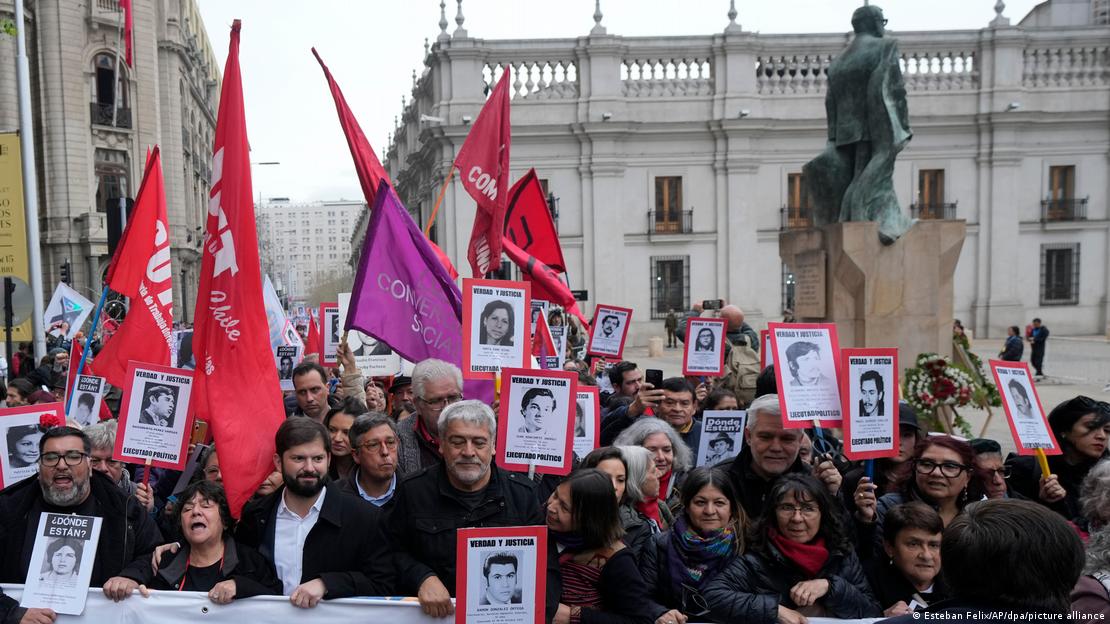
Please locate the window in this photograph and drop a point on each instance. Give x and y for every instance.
(930, 194)
(1061, 182)
(1060, 274)
(105, 88)
(1061, 204)
(799, 208)
(670, 285)
(668, 204)
(110, 169)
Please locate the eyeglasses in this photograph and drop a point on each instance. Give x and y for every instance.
(787, 510)
(1003, 472)
(441, 402)
(374, 446)
(947, 469)
(72, 458)
(693, 603)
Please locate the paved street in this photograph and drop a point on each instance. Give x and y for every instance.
(1075, 365)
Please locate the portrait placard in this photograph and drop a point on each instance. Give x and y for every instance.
(809, 392)
(496, 332)
(704, 352)
(722, 436)
(766, 353)
(609, 330)
(587, 420)
(286, 358)
(88, 392)
(1024, 413)
(373, 357)
(869, 399)
(501, 575)
(61, 563)
(535, 425)
(539, 307)
(155, 422)
(331, 332)
(19, 458)
(559, 337)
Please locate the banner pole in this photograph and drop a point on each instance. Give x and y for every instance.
(88, 339)
(435, 209)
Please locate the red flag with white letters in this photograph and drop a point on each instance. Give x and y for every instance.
(236, 383)
(483, 163)
(141, 270)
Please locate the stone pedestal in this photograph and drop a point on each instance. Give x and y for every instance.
(878, 295)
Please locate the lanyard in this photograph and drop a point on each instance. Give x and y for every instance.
(181, 586)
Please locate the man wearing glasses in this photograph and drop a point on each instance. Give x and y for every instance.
(988, 459)
(374, 444)
(435, 385)
(103, 438)
(66, 483)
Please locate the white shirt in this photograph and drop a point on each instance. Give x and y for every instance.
(290, 531)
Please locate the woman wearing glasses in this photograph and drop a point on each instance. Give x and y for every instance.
(706, 537)
(801, 563)
(941, 474)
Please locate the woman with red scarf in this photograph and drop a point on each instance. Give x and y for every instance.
(671, 457)
(801, 564)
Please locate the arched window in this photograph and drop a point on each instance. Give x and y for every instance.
(105, 89)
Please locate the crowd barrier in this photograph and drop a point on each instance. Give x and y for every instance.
(195, 607)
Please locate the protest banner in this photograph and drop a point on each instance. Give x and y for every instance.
(66, 312)
(331, 332)
(704, 351)
(501, 575)
(609, 330)
(62, 563)
(373, 357)
(286, 358)
(559, 337)
(809, 392)
(722, 436)
(88, 393)
(155, 421)
(587, 420)
(869, 401)
(1024, 413)
(19, 458)
(535, 424)
(539, 308)
(766, 355)
(495, 327)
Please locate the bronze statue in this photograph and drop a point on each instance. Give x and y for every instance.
(868, 125)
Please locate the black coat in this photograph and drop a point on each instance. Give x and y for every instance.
(891, 586)
(427, 512)
(346, 549)
(656, 569)
(128, 535)
(350, 486)
(1025, 480)
(752, 587)
(254, 575)
(751, 488)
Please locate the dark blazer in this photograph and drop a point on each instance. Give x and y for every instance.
(127, 535)
(346, 548)
(254, 575)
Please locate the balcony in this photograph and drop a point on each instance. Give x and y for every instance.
(933, 211)
(796, 217)
(1064, 209)
(670, 222)
(101, 115)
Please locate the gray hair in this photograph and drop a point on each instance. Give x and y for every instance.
(767, 404)
(365, 422)
(645, 427)
(637, 462)
(1098, 552)
(430, 369)
(102, 434)
(1094, 495)
(471, 412)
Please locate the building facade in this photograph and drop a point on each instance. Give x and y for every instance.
(95, 119)
(673, 163)
(302, 245)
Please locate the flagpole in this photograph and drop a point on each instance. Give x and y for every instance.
(88, 339)
(115, 85)
(435, 209)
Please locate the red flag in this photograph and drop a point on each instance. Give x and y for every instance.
(529, 225)
(141, 270)
(367, 165)
(314, 344)
(231, 337)
(545, 280)
(444, 260)
(75, 352)
(543, 345)
(125, 6)
(483, 163)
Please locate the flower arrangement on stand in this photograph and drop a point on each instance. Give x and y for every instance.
(935, 387)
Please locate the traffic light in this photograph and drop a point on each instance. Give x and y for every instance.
(67, 273)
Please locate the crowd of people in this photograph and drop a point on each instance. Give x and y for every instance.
(373, 477)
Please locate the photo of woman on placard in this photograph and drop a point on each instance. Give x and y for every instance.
(706, 340)
(62, 562)
(497, 324)
(23, 445)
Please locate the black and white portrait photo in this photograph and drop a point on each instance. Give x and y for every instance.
(20, 435)
(495, 327)
(872, 395)
(286, 358)
(373, 357)
(870, 402)
(61, 563)
(586, 425)
(806, 373)
(159, 401)
(608, 331)
(88, 392)
(704, 350)
(722, 436)
(1023, 408)
(332, 331)
(499, 578)
(498, 581)
(536, 409)
(154, 418)
(498, 324)
(536, 419)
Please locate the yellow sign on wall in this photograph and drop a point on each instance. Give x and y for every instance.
(13, 227)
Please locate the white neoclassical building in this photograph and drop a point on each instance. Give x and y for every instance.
(674, 162)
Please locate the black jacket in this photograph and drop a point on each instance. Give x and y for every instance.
(656, 569)
(254, 575)
(752, 587)
(346, 548)
(624, 597)
(751, 488)
(891, 586)
(350, 486)
(1025, 480)
(427, 512)
(638, 530)
(128, 535)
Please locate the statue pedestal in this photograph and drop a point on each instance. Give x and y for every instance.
(897, 295)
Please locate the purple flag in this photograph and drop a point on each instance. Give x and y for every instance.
(402, 295)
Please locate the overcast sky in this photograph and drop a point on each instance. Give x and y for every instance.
(372, 46)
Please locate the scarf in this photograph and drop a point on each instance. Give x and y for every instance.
(568, 541)
(695, 557)
(650, 508)
(423, 432)
(809, 557)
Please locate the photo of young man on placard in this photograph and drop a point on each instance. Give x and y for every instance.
(158, 405)
(535, 424)
(498, 581)
(154, 421)
(872, 394)
(870, 399)
(607, 334)
(806, 373)
(499, 576)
